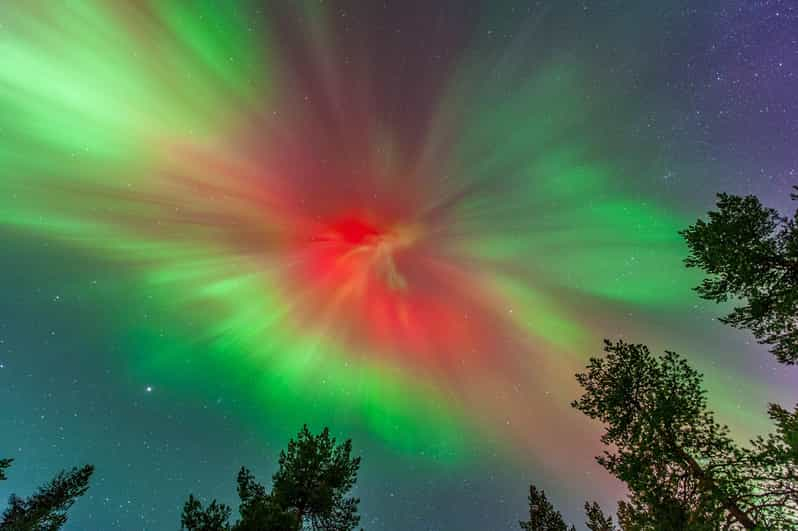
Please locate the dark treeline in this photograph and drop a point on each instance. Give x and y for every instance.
(681, 468)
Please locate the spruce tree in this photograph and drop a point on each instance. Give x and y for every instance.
(542, 514)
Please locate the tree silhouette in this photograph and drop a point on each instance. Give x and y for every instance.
(682, 469)
(596, 519)
(542, 514)
(314, 478)
(259, 509)
(772, 464)
(4, 463)
(665, 444)
(215, 517)
(309, 489)
(46, 510)
(750, 254)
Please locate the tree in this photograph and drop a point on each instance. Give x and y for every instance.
(681, 468)
(666, 446)
(314, 478)
(542, 514)
(544, 517)
(259, 509)
(4, 463)
(215, 517)
(750, 254)
(46, 510)
(772, 465)
(596, 519)
(309, 490)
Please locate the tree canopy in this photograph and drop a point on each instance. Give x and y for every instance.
(4, 463)
(46, 510)
(664, 442)
(310, 489)
(596, 519)
(542, 514)
(750, 256)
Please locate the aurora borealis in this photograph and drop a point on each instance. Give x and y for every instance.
(410, 221)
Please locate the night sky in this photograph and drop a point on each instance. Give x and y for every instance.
(411, 221)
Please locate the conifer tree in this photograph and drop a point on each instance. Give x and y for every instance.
(682, 469)
(750, 256)
(542, 514)
(664, 443)
(195, 517)
(310, 489)
(259, 509)
(772, 465)
(314, 478)
(46, 510)
(4, 463)
(596, 519)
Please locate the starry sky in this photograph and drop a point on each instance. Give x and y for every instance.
(410, 221)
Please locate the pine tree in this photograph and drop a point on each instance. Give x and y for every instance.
(750, 254)
(46, 510)
(677, 462)
(195, 517)
(682, 469)
(259, 509)
(772, 465)
(314, 478)
(309, 489)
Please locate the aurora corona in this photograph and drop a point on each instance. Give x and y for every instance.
(440, 268)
